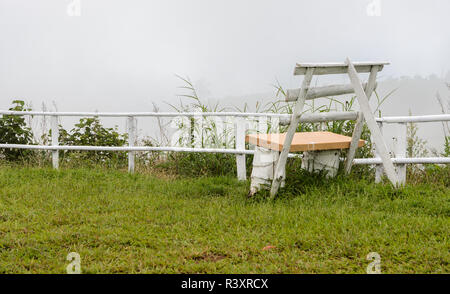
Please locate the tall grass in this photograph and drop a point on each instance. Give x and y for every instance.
(219, 133)
(210, 132)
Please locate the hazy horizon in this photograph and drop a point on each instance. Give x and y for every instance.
(112, 55)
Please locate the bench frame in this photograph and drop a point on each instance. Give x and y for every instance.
(363, 93)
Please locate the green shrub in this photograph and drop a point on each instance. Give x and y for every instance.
(447, 147)
(14, 130)
(90, 132)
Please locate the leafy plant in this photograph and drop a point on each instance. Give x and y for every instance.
(415, 147)
(447, 147)
(90, 132)
(14, 130)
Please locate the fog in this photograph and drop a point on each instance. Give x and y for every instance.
(113, 55)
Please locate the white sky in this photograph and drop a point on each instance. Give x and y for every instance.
(122, 51)
(123, 55)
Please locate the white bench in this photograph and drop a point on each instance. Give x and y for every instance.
(321, 152)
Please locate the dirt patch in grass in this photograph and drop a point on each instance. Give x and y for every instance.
(208, 256)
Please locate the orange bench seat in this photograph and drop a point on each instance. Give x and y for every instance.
(305, 141)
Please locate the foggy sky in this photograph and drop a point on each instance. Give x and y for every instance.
(121, 50)
(123, 55)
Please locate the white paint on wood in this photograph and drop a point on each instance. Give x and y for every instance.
(264, 162)
(131, 140)
(415, 160)
(387, 119)
(379, 170)
(417, 118)
(144, 114)
(240, 146)
(400, 150)
(369, 88)
(357, 131)
(318, 92)
(372, 125)
(55, 137)
(336, 68)
(280, 169)
(340, 64)
(327, 161)
(323, 117)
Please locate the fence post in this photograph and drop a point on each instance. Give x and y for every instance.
(55, 137)
(131, 139)
(240, 131)
(400, 151)
(379, 170)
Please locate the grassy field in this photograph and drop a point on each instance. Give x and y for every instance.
(142, 223)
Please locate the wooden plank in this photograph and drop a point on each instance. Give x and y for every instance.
(298, 109)
(55, 142)
(371, 123)
(379, 170)
(336, 68)
(357, 131)
(323, 117)
(305, 141)
(400, 150)
(240, 145)
(341, 64)
(318, 92)
(131, 139)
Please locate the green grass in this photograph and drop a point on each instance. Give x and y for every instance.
(122, 223)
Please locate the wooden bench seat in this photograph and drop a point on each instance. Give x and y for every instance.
(305, 141)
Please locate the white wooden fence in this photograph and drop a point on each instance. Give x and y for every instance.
(399, 153)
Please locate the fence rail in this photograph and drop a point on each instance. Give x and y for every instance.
(144, 114)
(399, 152)
(414, 119)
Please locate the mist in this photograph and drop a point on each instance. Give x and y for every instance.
(123, 55)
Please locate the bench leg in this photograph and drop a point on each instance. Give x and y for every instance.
(322, 161)
(380, 144)
(280, 169)
(360, 121)
(264, 162)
